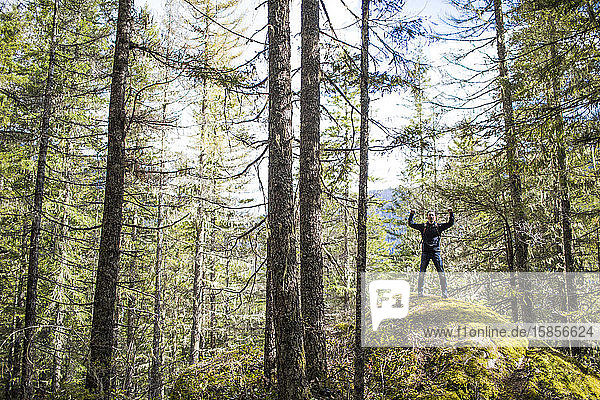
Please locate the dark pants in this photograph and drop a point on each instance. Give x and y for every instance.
(437, 261)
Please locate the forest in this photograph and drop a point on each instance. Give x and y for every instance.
(193, 194)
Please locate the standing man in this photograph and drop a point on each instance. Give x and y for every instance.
(430, 247)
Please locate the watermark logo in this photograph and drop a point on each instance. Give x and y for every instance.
(389, 300)
(564, 310)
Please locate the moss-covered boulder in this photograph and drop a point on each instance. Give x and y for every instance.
(429, 320)
(228, 375)
(440, 373)
(547, 374)
(495, 371)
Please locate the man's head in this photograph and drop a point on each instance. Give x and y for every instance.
(431, 216)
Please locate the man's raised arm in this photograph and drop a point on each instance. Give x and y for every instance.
(411, 223)
(450, 222)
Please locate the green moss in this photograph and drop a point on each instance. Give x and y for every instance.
(234, 374)
(498, 371)
(433, 309)
(554, 375)
(436, 373)
(501, 373)
(76, 391)
(433, 312)
(343, 328)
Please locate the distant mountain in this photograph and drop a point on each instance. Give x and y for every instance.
(395, 225)
(384, 194)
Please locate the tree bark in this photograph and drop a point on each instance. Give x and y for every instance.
(311, 257)
(36, 224)
(518, 212)
(361, 244)
(281, 259)
(99, 371)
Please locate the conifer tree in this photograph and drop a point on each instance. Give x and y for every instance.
(99, 373)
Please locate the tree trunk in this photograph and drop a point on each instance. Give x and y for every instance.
(361, 244)
(36, 224)
(281, 259)
(99, 372)
(311, 257)
(518, 213)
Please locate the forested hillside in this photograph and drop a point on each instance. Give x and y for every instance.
(190, 192)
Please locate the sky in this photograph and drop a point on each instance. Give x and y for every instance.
(391, 109)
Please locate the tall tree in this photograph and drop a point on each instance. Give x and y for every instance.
(36, 223)
(361, 229)
(281, 257)
(516, 238)
(98, 377)
(558, 130)
(311, 257)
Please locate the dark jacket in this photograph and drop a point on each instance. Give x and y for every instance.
(430, 233)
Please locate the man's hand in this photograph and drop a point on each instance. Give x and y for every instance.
(412, 211)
